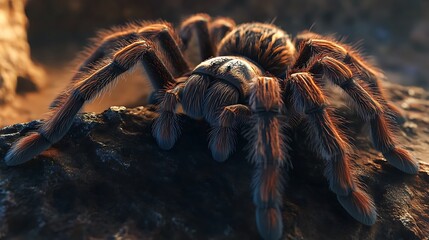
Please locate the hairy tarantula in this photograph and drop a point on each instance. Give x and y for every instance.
(251, 74)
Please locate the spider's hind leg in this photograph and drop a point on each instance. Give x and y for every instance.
(109, 42)
(208, 31)
(307, 98)
(104, 50)
(61, 118)
(219, 27)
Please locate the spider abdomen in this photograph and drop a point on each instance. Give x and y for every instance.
(265, 44)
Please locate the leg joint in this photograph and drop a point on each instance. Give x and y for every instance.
(129, 55)
(169, 102)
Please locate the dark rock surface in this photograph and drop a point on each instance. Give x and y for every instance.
(107, 179)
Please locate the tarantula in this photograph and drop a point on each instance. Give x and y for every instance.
(251, 74)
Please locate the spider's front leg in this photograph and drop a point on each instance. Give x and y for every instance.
(217, 104)
(327, 141)
(107, 44)
(370, 110)
(61, 118)
(224, 127)
(166, 129)
(224, 133)
(268, 154)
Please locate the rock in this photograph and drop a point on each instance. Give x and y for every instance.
(107, 179)
(17, 71)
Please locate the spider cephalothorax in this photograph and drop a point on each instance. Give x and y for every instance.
(251, 76)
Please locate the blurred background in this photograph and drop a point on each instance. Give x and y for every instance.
(394, 32)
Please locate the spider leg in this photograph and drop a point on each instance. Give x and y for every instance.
(61, 118)
(161, 33)
(168, 40)
(223, 134)
(166, 128)
(219, 95)
(267, 153)
(208, 32)
(205, 96)
(194, 95)
(198, 23)
(105, 49)
(328, 142)
(370, 110)
(219, 27)
(312, 44)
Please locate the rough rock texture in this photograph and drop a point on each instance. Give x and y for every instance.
(107, 179)
(17, 71)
